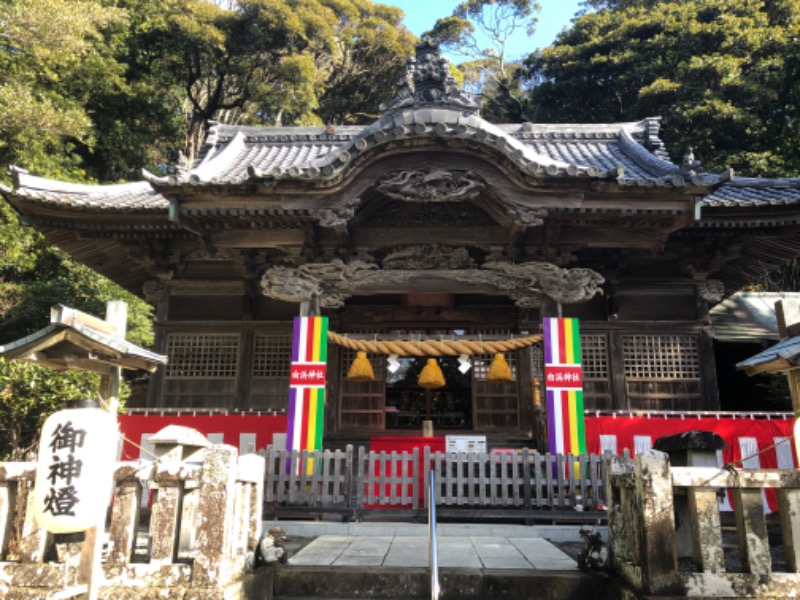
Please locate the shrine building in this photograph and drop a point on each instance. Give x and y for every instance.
(429, 224)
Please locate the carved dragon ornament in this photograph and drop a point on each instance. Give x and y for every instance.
(431, 185)
(528, 284)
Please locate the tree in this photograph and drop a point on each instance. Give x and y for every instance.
(28, 395)
(48, 55)
(363, 65)
(271, 63)
(33, 277)
(488, 71)
(722, 73)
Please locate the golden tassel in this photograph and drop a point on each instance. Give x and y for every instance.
(499, 371)
(361, 369)
(431, 376)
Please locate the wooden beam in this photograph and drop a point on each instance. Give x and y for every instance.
(260, 238)
(207, 287)
(401, 236)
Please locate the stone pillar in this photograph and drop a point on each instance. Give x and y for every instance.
(655, 521)
(695, 507)
(212, 564)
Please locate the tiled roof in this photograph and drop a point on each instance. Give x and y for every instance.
(127, 354)
(783, 356)
(749, 192)
(748, 316)
(628, 153)
(138, 197)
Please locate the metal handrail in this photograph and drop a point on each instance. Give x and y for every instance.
(433, 552)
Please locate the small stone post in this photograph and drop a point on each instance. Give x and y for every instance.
(696, 510)
(173, 518)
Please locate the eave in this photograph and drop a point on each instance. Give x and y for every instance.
(78, 345)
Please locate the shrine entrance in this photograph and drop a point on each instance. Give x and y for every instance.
(395, 402)
(407, 404)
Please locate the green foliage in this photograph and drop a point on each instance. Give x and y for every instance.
(50, 61)
(36, 276)
(28, 395)
(365, 62)
(33, 277)
(260, 62)
(98, 89)
(722, 73)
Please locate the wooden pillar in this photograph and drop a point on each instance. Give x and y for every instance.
(116, 315)
(793, 376)
(157, 294)
(616, 364)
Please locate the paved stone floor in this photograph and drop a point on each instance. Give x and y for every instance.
(471, 546)
(470, 552)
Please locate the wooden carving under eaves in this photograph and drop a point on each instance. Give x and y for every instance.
(528, 284)
(431, 185)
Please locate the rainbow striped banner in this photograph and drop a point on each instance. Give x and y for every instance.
(307, 379)
(564, 384)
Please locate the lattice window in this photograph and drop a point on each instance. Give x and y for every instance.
(272, 355)
(362, 405)
(652, 357)
(269, 386)
(594, 359)
(202, 356)
(537, 361)
(596, 371)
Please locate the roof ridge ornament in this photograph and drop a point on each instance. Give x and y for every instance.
(428, 82)
(688, 162)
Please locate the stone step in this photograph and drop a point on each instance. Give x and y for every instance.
(389, 583)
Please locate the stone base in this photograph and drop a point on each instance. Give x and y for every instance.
(256, 585)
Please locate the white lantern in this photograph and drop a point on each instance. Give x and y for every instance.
(77, 453)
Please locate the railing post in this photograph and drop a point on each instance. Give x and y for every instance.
(656, 520)
(433, 551)
(124, 516)
(251, 473)
(415, 472)
(789, 510)
(34, 541)
(349, 497)
(752, 529)
(695, 509)
(164, 521)
(7, 501)
(361, 474)
(215, 505)
(426, 468)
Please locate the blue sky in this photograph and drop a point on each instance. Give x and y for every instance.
(555, 15)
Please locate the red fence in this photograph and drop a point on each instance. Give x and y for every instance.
(249, 432)
(748, 436)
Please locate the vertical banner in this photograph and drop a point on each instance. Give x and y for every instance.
(564, 384)
(307, 378)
